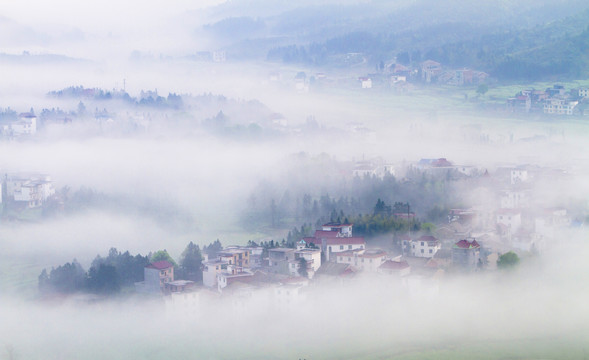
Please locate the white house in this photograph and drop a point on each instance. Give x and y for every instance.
(25, 125)
(232, 274)
(398, 268)
(425, 246)
(332, 246)
(343, 230)
(210, 270)
(312, 258)
(511, 219)
(366, 82)
(514, 199)
(559, 106)
(32, 189)
(518, 175)
(362, 259)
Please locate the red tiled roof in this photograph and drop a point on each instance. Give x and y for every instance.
(465, 244)
(394, 265)
(160, 265)
(427, 238)
(441, 162)
(405, 237)
(325, 234)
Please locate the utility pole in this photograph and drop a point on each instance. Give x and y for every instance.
(408, 215)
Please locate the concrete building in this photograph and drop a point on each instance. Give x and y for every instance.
(239, 256)
(362, 259)
(279, 260)
(510, 220)
(466, 254)
(155, 277)
(32, 189)
(398, 268)
(312, 258)
(232, 274)
(560, 106)
(425, 246)
(210, 270)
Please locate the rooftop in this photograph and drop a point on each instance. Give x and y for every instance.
(160, 265)
(465, 244)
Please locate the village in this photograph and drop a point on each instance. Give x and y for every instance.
(475, 240)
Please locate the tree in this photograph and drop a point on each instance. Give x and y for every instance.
(104, 280)
(190, 262)
(212, 249)
(509, 260)
(303, 267)
(482, 89)
(81, 109)
(163, 255)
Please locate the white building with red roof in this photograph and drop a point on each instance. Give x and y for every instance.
(332, 246)
(425, 246)
(398, 268)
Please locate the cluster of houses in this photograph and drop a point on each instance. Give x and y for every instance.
(428, 72)
(510, 215)
(392, 75)
(554, 100)
(285, 277)
(25, 125)
(23, 190)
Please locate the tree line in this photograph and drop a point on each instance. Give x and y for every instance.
(111, 274)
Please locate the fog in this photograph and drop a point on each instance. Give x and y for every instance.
(141, 174)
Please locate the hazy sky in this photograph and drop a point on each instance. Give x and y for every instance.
(93, 15)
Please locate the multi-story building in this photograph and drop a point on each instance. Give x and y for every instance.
(156, 275)
(560, 106)
(425, 246)
(31, 189)
(312, 259)
(362, 259)
(239, 256)
(466, 254)
(210, 270)
(279, 259)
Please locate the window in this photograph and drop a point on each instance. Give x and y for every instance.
(422, 243)
(341, 247)
(422, 251)
(430, 251)
(414, 246)
(349, 259)
(350, 247)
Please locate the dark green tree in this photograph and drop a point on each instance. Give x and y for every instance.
(482, 89)
(509, 260)
(191, 262)
(104, 280)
